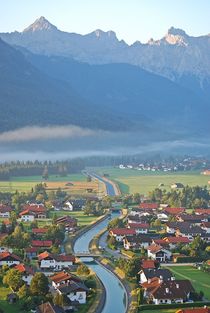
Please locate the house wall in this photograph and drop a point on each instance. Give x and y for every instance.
(27, 218)
(79, 296)
(47, 264)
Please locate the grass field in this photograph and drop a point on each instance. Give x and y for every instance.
(80, 216)
(131, 181)
(199, 279)
(4, 305)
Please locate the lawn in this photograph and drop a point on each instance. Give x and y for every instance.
(79, 215)
(199, 279)
(4, 305)
(131, 181)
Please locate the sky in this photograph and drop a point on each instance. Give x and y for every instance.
(131, 19)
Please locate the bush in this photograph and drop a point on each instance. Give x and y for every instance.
(172, 306)
(188, 259)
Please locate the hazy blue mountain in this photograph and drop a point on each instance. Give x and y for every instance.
(131, 91)
(30, 97)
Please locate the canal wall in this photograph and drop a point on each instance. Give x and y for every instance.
(70, 241)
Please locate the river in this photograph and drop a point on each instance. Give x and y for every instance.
(115, 292)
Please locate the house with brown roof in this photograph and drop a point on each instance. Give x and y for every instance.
(171, 291)
(158, 253)
(140, 228)
(63, 278)
(148, 206)
(48, 260)
(190, 231)
(75, 291)
(70, 223)
(174, 241)
(146, 274)
(206, 227)
(5, 211)
(49, 308)
(136, 242)
(9, 259)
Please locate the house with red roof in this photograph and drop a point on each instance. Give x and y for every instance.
(32, 211)
(48, 260)
(41, 243)
(9, 259)
(39, 232)
(148, 264)
(120, 233)
(148, 206)
(31, 252)
(174, 211)
(202, 211)
(26, 271)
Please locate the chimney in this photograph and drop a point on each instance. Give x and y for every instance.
(172, 278)
(149, 281)
(167, 290)
(177, 286)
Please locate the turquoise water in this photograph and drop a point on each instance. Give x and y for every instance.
(115, 292)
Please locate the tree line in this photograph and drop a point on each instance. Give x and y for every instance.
(30, 168)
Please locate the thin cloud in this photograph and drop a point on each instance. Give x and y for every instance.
(43, 133)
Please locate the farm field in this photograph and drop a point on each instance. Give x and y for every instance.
(131, 181)
(74, 184)
(199, 279)
(79, 215)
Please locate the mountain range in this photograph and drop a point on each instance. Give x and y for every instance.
(51, 77)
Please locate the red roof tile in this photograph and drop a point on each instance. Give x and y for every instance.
(138, 225)
(148, 206)
(174, 211)
(148, 264)
(122, 231)
(39, 230)
(41, 243)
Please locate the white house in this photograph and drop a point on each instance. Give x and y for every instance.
(75, 291)
(140, 228)
(51, 261)
(120, 233)
(206, 227)
(156, 252)
(5, 211)
(26, 271)
(168, 292)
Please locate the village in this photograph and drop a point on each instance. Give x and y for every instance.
(146, 245)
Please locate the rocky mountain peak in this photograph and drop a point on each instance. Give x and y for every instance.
(176, 36)
(104, 35)
(176, 32)
(41, 24)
